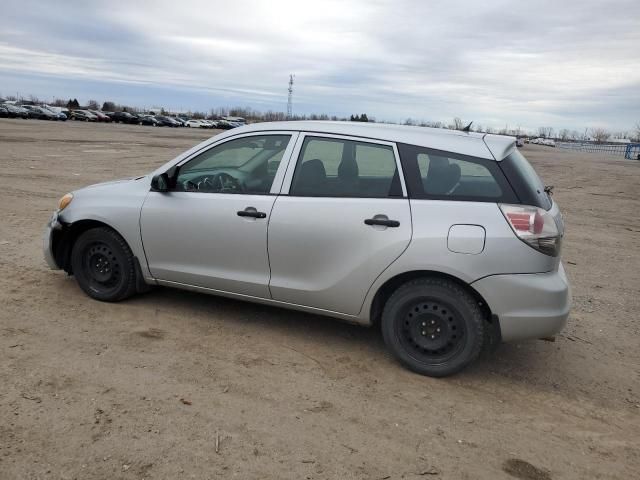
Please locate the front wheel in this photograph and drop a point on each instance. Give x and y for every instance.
(433, 326)
(104, 265)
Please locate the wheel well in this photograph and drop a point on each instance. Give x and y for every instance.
(63, 244)
(385, 291)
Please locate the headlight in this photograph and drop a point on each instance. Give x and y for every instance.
(64, 201)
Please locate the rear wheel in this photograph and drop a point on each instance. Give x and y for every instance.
(104, 265)
(433, 326)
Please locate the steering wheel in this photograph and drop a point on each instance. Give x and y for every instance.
(218, 182)
(227, 182)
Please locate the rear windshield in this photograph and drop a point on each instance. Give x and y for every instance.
(525, 180)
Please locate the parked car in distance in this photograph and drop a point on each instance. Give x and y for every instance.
(4, 112)
(225, 125)
(239, 121)
(180, 121)
(57, 112)
(164, 121)
(101, 116)
(549, 142)
(124, 117)
(40, 113)
(519, 142)
(195, 124)
(15, 111)
(446, 239)
(83, 115)
(149, 120)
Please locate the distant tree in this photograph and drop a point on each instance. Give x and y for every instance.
(109, 107)
(574, 135)
(458, 124)
(637, 132)
(92, 104)
(600, 134)
(564, 134)
(545, 132)
(409, 121)
(72, 104)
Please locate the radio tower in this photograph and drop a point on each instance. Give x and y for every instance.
(290, 99)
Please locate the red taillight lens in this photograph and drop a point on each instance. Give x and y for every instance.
(519, 221)
(534, 226)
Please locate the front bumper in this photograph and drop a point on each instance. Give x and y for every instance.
(527, 305)
(47, 241)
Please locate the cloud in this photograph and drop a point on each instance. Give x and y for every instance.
(567, 64)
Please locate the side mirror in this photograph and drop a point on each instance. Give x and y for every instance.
(160, 183)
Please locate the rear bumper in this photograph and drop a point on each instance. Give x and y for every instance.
(527, 305)
(47, 241)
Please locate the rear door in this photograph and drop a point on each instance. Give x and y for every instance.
(342, 218)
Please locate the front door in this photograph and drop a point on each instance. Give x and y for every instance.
(210, 230)
(345, 219)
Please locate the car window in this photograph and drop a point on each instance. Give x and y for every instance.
(441, 175)
(329, 167)
(244, 165)
(529, 185)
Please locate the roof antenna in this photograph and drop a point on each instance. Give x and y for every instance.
(467, 128)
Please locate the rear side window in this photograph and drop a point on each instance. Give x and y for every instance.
(439, 175)
(332, 167)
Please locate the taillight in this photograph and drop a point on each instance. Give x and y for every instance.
(534, 226)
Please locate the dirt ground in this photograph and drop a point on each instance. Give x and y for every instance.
(174, 384)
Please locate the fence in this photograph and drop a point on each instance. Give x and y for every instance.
(630, 151)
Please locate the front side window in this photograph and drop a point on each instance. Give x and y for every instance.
(447, 176)
(244, 165)
(330, 167)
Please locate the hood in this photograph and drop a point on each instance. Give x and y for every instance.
(110, 183)
(113, 182)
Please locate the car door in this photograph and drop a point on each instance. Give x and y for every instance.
(210, 229)
(342, 219)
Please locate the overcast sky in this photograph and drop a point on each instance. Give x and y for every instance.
(572, 64)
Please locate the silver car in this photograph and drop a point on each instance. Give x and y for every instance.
(447, 240)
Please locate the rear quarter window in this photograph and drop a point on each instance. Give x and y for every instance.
(437, 175)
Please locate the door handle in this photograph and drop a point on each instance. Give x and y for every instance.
(385, 222)
(251, 212)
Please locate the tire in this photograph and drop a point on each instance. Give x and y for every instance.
(104, 265)
(433, 326)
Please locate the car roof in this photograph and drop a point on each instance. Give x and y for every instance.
(482, 145)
